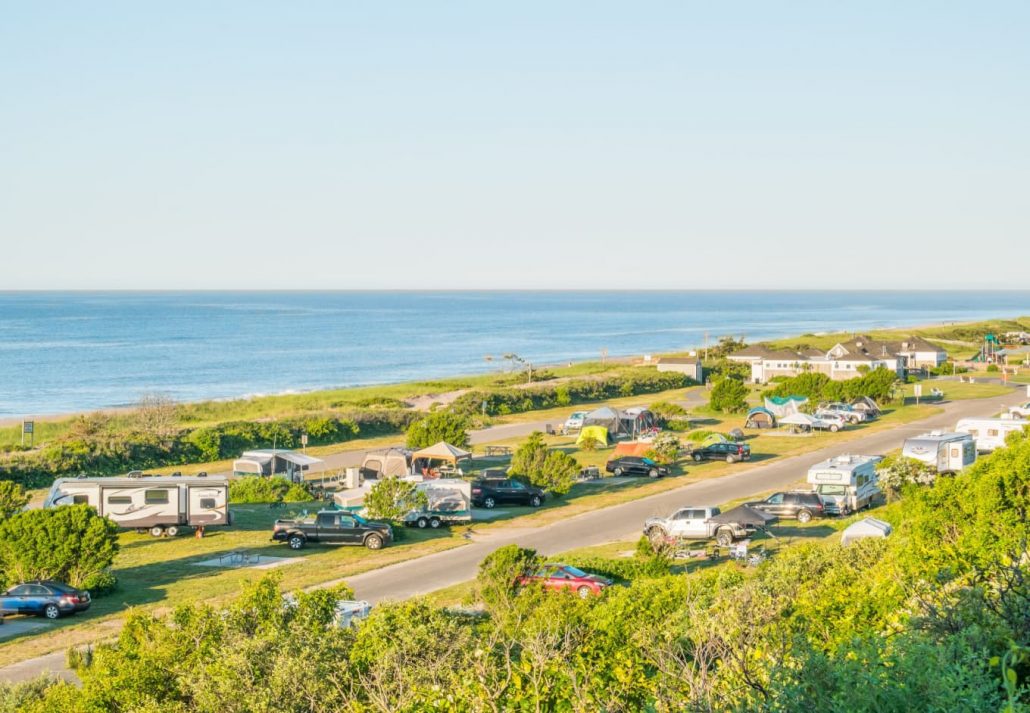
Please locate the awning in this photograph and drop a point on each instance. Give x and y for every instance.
(744, 515)
(442, 451)
(797, 419)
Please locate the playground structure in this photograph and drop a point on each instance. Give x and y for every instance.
(989, 351)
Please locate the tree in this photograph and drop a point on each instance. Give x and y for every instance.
(498, 572)
(665, 449)
(439, 426)
(12, 498)
(70, 544)
(155, 416)
(664, 410)
(528, 459)
(391, 498)
(558, 474)
(729, 396)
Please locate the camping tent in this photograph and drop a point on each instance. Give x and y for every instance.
(442, 451)
(866, 404)
(744, 515)
(713, 438)
(637, 420)
(269, 461)
(598, 434)
(760, 418)
(866, 527)
(606, 417)
(785, 405)
(798, 419)
(392, 461)
(632, 448)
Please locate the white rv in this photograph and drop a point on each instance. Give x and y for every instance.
(990, 433)
(946, 452)
(159, 504)
(845, 483)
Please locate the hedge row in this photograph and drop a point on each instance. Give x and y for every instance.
(105, 451)
(877, 384)
(506, 401)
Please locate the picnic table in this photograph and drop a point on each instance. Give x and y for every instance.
(238, 558)
(498, 450)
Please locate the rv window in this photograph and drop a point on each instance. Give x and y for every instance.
(80, 500)
(155, 497)
(208, 503)
(992, 432)
(954, 452)
(119, 500)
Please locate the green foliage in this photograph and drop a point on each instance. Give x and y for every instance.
(554, 471)
(877, 384)
(254, 489)
(896, 474)
(590, 443)
(12, 498)
(439, 426)
(573, 391)
(392, 498)
(665, 448)
(993, 369)
(664, 410)
(729, 396)
(498, 572)
(71, 544)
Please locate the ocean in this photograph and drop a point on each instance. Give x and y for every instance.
(75, 351)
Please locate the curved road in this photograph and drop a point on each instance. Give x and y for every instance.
(618, 522)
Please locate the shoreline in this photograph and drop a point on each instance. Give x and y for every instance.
(624, 359)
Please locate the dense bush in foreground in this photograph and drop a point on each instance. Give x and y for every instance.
(267, 490)
(934, 618)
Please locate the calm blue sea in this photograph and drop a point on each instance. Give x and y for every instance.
(64, 352)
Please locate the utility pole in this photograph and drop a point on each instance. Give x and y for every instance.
(706, 346)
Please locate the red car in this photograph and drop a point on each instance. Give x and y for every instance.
(565, 577)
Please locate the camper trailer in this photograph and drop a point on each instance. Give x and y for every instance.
(449, 503)
(845, 483)
(161, 505)
(274, 461)
(946, 452)
(990, 433)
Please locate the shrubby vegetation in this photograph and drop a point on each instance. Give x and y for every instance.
(392, 498)
(12, 498)
(574, 391)
(934, 618)
(877, 384)
(70, 544)
(729, 396)
(551, 470)
(267, 490)
(439, 426)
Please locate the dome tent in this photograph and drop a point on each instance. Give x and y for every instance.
(760, 417)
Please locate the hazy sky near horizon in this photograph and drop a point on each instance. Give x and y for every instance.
(521, 145)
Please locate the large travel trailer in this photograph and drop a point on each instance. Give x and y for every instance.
(159, 504)
(845, 483)
(946, 452)
(990, 433)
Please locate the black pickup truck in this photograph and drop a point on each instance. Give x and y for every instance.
(333, 527)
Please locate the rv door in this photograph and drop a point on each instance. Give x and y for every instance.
(208, 505)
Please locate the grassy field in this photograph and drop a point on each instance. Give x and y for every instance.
(956, 391)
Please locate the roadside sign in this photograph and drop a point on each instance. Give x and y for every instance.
(918, 391)
(28, 428)
(303, 439)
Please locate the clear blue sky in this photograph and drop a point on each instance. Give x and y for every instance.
(529, 144)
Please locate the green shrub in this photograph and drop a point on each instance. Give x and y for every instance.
(71, 544)
(392, 498)
(255, 489)
(993, 368)
(439, 426)
(12, 498)
(729, 396)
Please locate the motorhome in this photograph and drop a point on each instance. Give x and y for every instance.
(946, 452)
(161, 505)
(846, 483)
(990, 433)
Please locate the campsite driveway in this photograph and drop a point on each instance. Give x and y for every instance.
(618, 522)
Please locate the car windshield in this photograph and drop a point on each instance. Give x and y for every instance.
(575, 571)
(648, 461)
(832, 490)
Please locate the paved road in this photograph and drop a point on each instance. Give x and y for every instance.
(619, 522)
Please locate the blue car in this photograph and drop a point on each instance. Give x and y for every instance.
(44, 598)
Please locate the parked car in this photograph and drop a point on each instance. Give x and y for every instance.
(801, 505)
(845, 411)
(575, 421)
(728, 451)
(333, 527)
(44, 598)
(563, 577)
(828, 422)
(635, 465)
(491, 492)
(1021, 411)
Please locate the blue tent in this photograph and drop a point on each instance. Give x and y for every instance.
(760, 418)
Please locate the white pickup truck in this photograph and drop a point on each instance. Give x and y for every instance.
(705, 523)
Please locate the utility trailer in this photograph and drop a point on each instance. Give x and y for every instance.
(449, 503)
(161, 505)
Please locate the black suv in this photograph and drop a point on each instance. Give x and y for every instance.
(727, 451)
(802, 504)
(491, 492)
(635, 465)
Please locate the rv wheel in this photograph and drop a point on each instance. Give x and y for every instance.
(422, 523)
(157, 531)
(434, 522)
(172, 531)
